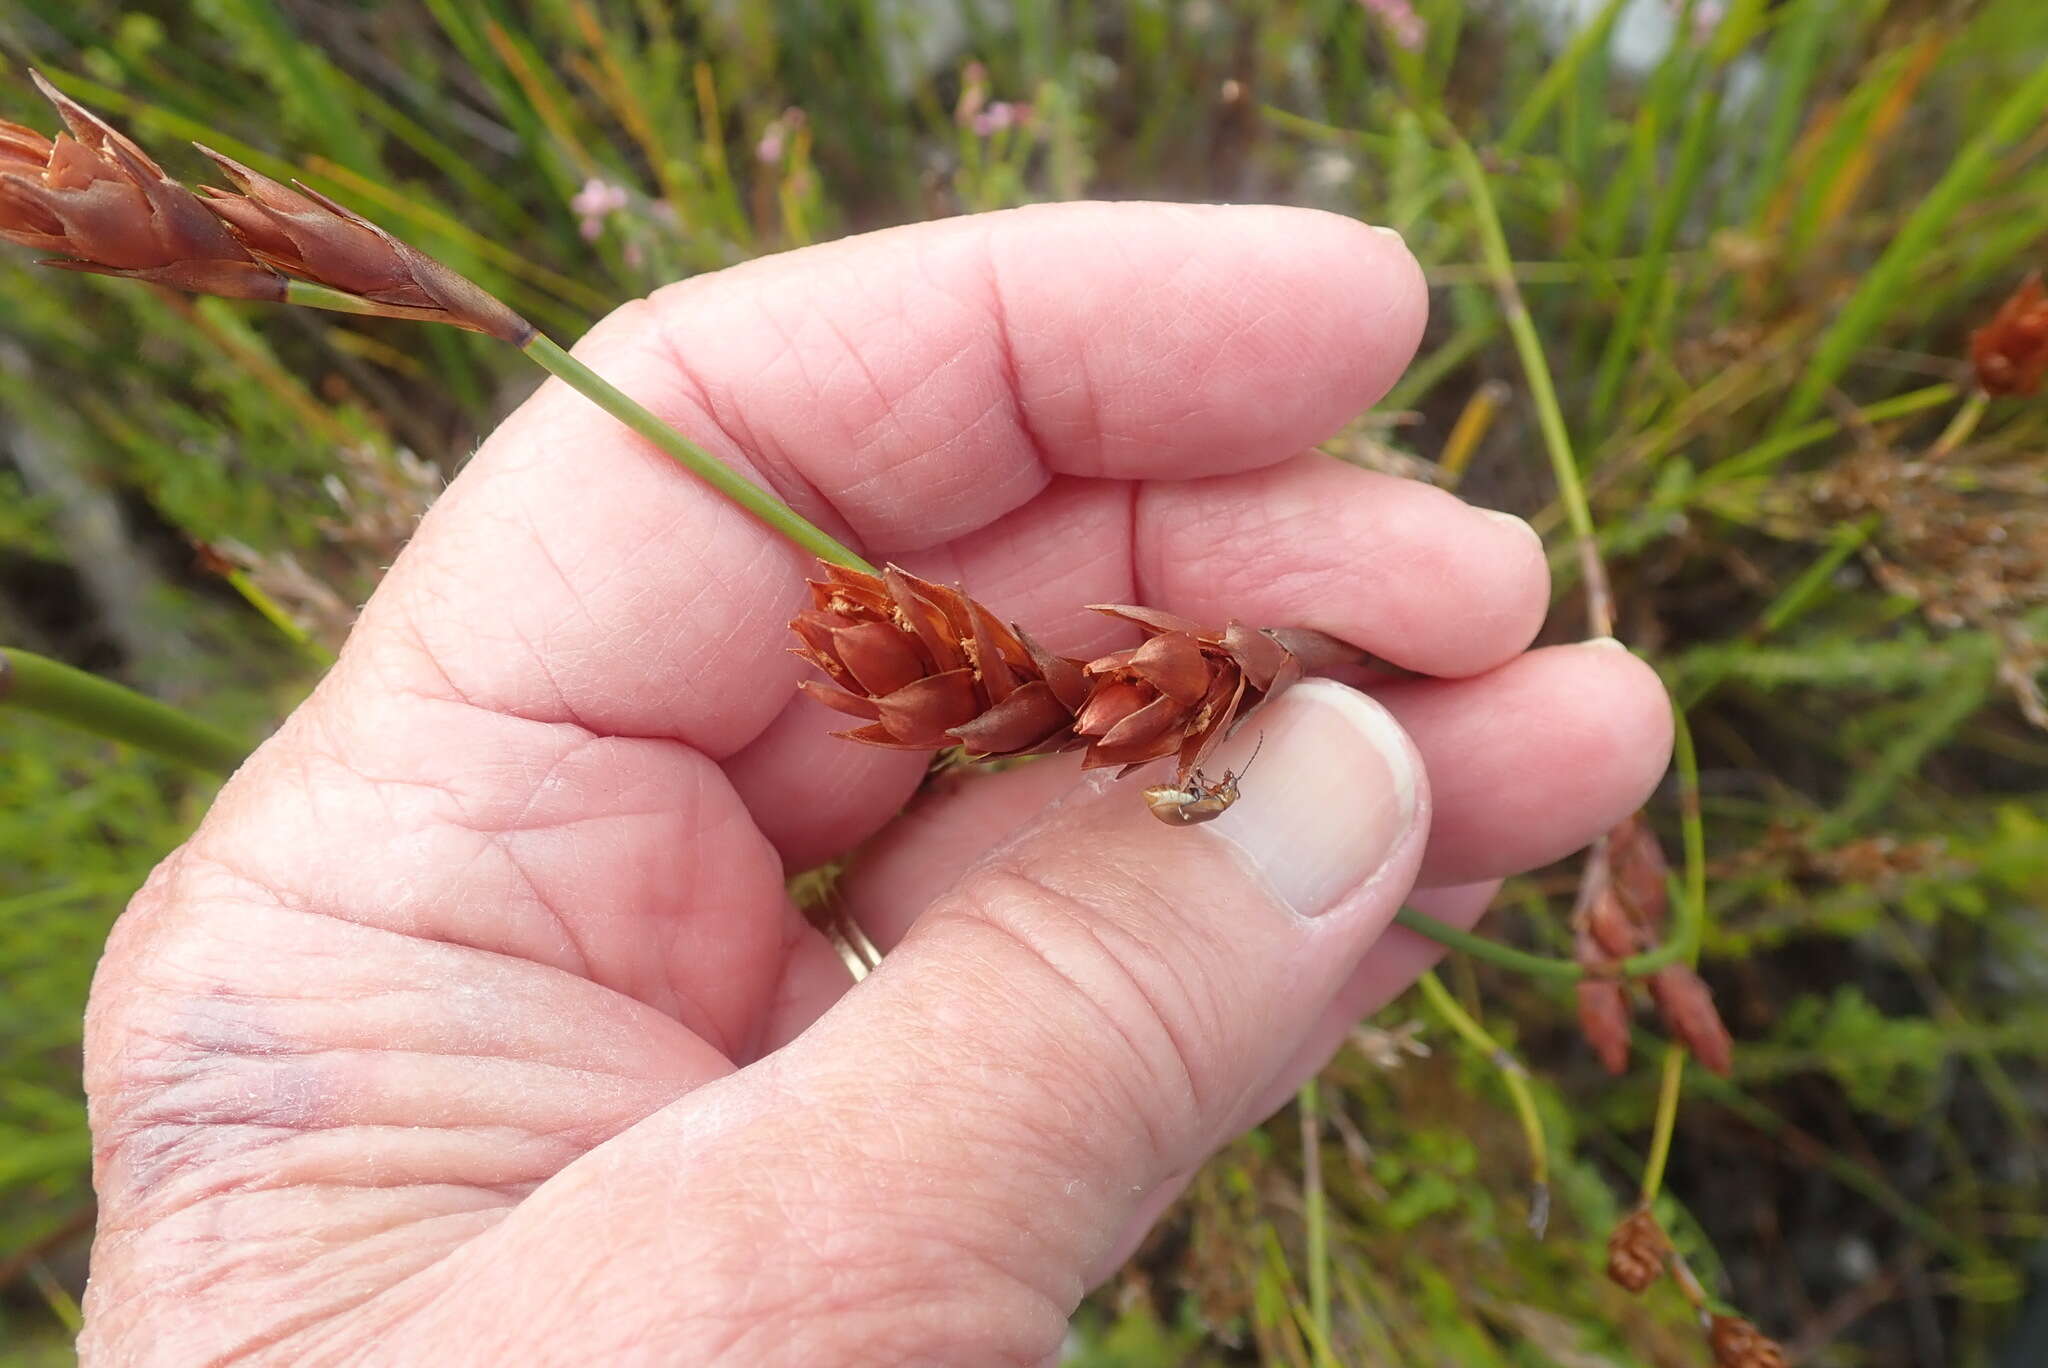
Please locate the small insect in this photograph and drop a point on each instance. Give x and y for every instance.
(1198, 800)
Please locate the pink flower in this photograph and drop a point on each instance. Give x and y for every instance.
(1403, 23)
(775, 138)
(999, 116)
(594, 203)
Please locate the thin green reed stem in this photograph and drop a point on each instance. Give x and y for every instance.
(692, 457)
(1666, 1123)
(1315, 1214)
(1493, 250)
(1515, 1078)
(1683, 941)
(51, 689)
(607, 396)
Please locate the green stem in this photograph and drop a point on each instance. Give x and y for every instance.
(1666, 1123)
(692, 457)
(1543, 966)
(1515, 1078)
(51, 689)
(273, 612)
(622, 406)
(1961, 426)
(1571, 492)
(1315, 1214)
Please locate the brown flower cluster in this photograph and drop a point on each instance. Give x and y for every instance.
(100, 204)
(1636, 1251)
(301, 233)
(1622, 905)
(1738, 1344)
(2010, 353)
(922, 666)
(1639, 1253)
(99, 201)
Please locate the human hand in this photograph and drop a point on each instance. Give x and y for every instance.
(475, 1025)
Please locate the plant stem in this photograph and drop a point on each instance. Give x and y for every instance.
(1507, 957)
(1961, 426)
(1667, 1121)
(52, 689)
(622, 406)
(693, 458)
(1493, 249)
(1315, 1215)
(1515, 1078)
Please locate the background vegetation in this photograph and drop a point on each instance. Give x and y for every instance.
(1754, 238)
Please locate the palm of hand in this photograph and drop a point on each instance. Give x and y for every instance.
(462, 1028)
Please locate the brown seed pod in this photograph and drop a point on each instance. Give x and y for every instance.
(1738, 1344)
(1179, 691)
(2010, 353)
(103, 206)
(303, 234)
(1637, 1250)
(1686, 1005)
(1603, 1020)
(1637, 872)
(924, 666)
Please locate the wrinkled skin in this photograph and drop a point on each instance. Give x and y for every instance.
(474, 1024)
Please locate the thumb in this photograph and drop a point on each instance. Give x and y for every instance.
(931, 1173)
(1107, 998)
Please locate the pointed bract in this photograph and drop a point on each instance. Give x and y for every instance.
(101, 205)
(302, 233)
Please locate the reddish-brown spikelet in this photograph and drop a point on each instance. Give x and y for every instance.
(303, 234)
(1636, 1251)
(1686, 1005)
(2010, 353)
(1738, 1344)
(924, 666)
(1179, 691)
(102, 205)
(1603, 1020)
(1636, 868)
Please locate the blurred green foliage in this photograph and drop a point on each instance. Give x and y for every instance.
(1754, 238)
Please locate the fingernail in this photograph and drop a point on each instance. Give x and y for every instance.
(1605, 643)
(1384, 231)
(1501, 515)
(1332, 792)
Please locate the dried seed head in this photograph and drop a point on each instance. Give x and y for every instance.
(1738, 1344)
(924, 666)
(97, 200)
(1636, 1251)
(1179, 691)
(2010, 352)
(302, 233)
(1686, 1005)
